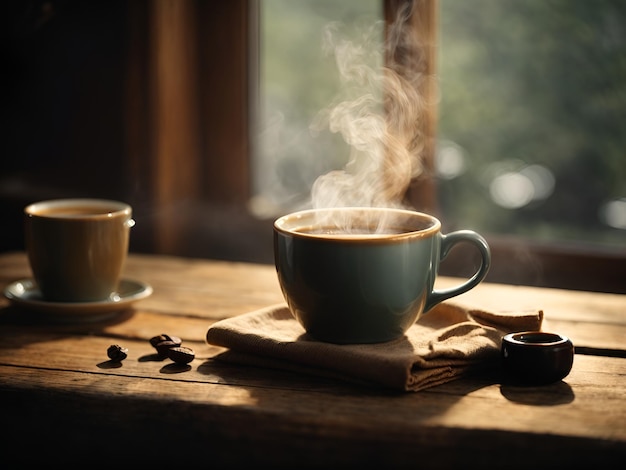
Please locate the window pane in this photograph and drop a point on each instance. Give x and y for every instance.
(299, 78)
(532, 109)
(532, 118)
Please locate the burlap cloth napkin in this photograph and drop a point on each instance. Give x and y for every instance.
(446, 343)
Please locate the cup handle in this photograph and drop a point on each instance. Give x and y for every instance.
(447, 242)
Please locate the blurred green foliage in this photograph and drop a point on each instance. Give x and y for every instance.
(523, 84)
(536, 82)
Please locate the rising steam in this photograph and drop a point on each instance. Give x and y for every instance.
(379, 114)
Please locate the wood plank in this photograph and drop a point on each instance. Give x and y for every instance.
(263, 410)
(256, 279)
(219, 289)
(141, 323)
(184, 286)
(592, 338)
(593, 389)
(558, 304)
(216, 289)
(451, 405)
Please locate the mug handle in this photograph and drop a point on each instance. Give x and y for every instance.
(447, 242)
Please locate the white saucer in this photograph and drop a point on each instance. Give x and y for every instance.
(25, 293)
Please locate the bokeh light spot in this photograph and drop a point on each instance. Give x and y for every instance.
(511, 190)
(613, 213)
(450, 161)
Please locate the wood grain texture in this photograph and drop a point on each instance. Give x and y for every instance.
(63, 399)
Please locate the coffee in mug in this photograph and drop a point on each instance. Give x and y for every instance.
(365, 275)
(77, 247)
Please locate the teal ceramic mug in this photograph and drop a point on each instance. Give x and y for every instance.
(365, 275)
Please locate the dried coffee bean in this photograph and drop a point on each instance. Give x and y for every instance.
(117, 353)
(162, 343)
(181, 354)
(157, 339)
(164, 337)
(164, 346)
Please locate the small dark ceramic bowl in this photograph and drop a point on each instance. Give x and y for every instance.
(536, 357)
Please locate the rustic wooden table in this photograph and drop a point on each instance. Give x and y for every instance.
(62, 401)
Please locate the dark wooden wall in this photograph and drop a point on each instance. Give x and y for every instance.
(146, 101)
(63, 83)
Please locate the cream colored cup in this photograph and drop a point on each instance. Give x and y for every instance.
(77, 247)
